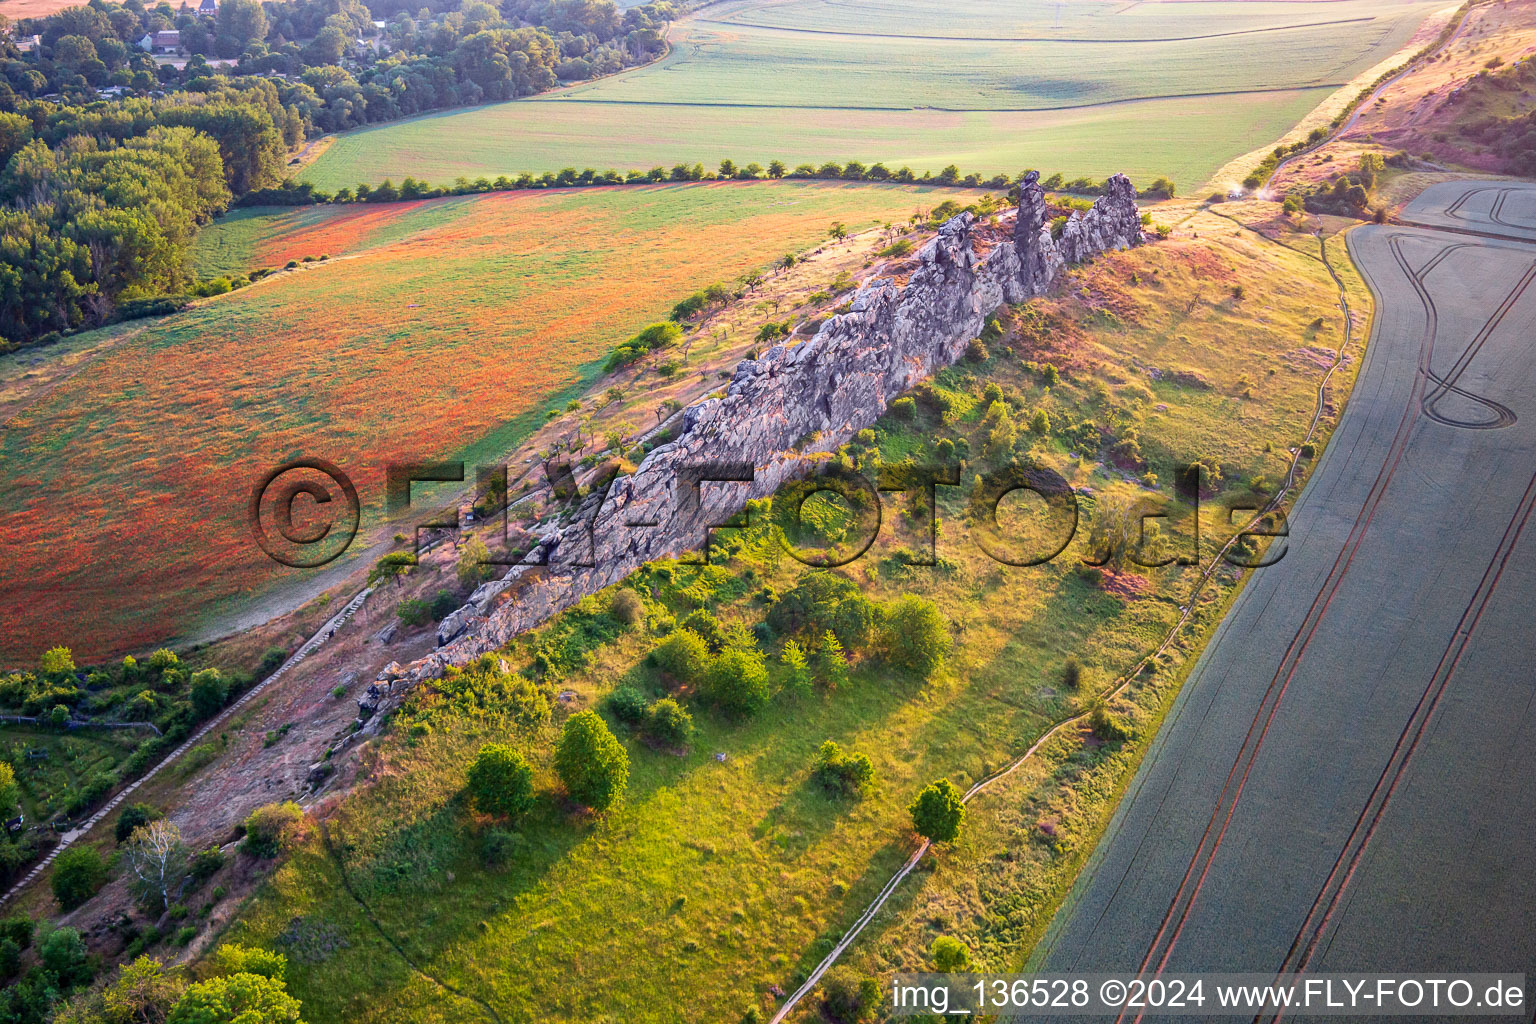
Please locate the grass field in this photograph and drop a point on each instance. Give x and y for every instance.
(715, 880)
(446, 331)
(1155, 88)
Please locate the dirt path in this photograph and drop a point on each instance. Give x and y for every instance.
(312, 645)
(1186, 612)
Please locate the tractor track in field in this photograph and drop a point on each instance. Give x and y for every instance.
(1186, 613)
(1193, 881)
(1315, 926)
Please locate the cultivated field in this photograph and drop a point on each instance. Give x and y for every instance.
(1150, 89)
(15, 9)
(435, 330)
(1387, 638)
(718, 879)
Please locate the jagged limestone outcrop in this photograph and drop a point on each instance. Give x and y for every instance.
(790, 403)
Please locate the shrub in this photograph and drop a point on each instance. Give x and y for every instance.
(949, 955)
(246, 998)
(847, 997)
(206, 863)
(1308, 450)
(797, 671)
(18, 928)
(849, 774)
(906, 408)
(56, 661)
(142, 991)
(443, 605)
(824, 600)
(737, 682)
(413, 612)
(208, 692)
(63, 953)
(938, 812)
(976, 351)
(669, 723)
(627, 704)
(683, 655)
(626, 607)
(1105, 725)
(501, 781)
(914, 637)
(270, 829)
(77, 873)
(704, 623)
(132, 817)
(233, 958)
(591, 762)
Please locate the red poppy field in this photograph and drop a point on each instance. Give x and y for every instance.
(446, 331)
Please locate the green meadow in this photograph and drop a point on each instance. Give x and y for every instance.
(1152, 89)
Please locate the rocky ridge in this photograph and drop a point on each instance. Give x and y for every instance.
(792, 403)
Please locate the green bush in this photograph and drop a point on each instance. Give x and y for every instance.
(443, 605)
(627, 704)
(669, 723)
(208, 692)
(848, 997)
(233, 958)
(132, 817)
(950, 955)
(683, 655)
(1072, 674)
(413, 612)
(938, 812)
(246, 998)
(848, 774)
(914, 636)
(501, 781)
(77, 873)
(737, 682)
(18, 928)
(205, 864)
(270, 829)
(704, 623)
(63, 954)
(626, 608)
(591, 762)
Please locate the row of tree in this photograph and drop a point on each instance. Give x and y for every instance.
(301, 193)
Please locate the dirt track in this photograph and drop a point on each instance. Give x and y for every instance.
(1346, 780)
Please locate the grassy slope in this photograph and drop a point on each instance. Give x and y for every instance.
(126, 482)
(715, 880)
(993, 106)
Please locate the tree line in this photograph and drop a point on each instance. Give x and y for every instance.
(293, 193)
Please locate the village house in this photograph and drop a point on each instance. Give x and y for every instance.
(164, 41)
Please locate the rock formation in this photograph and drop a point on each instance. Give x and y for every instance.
(792, 402)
